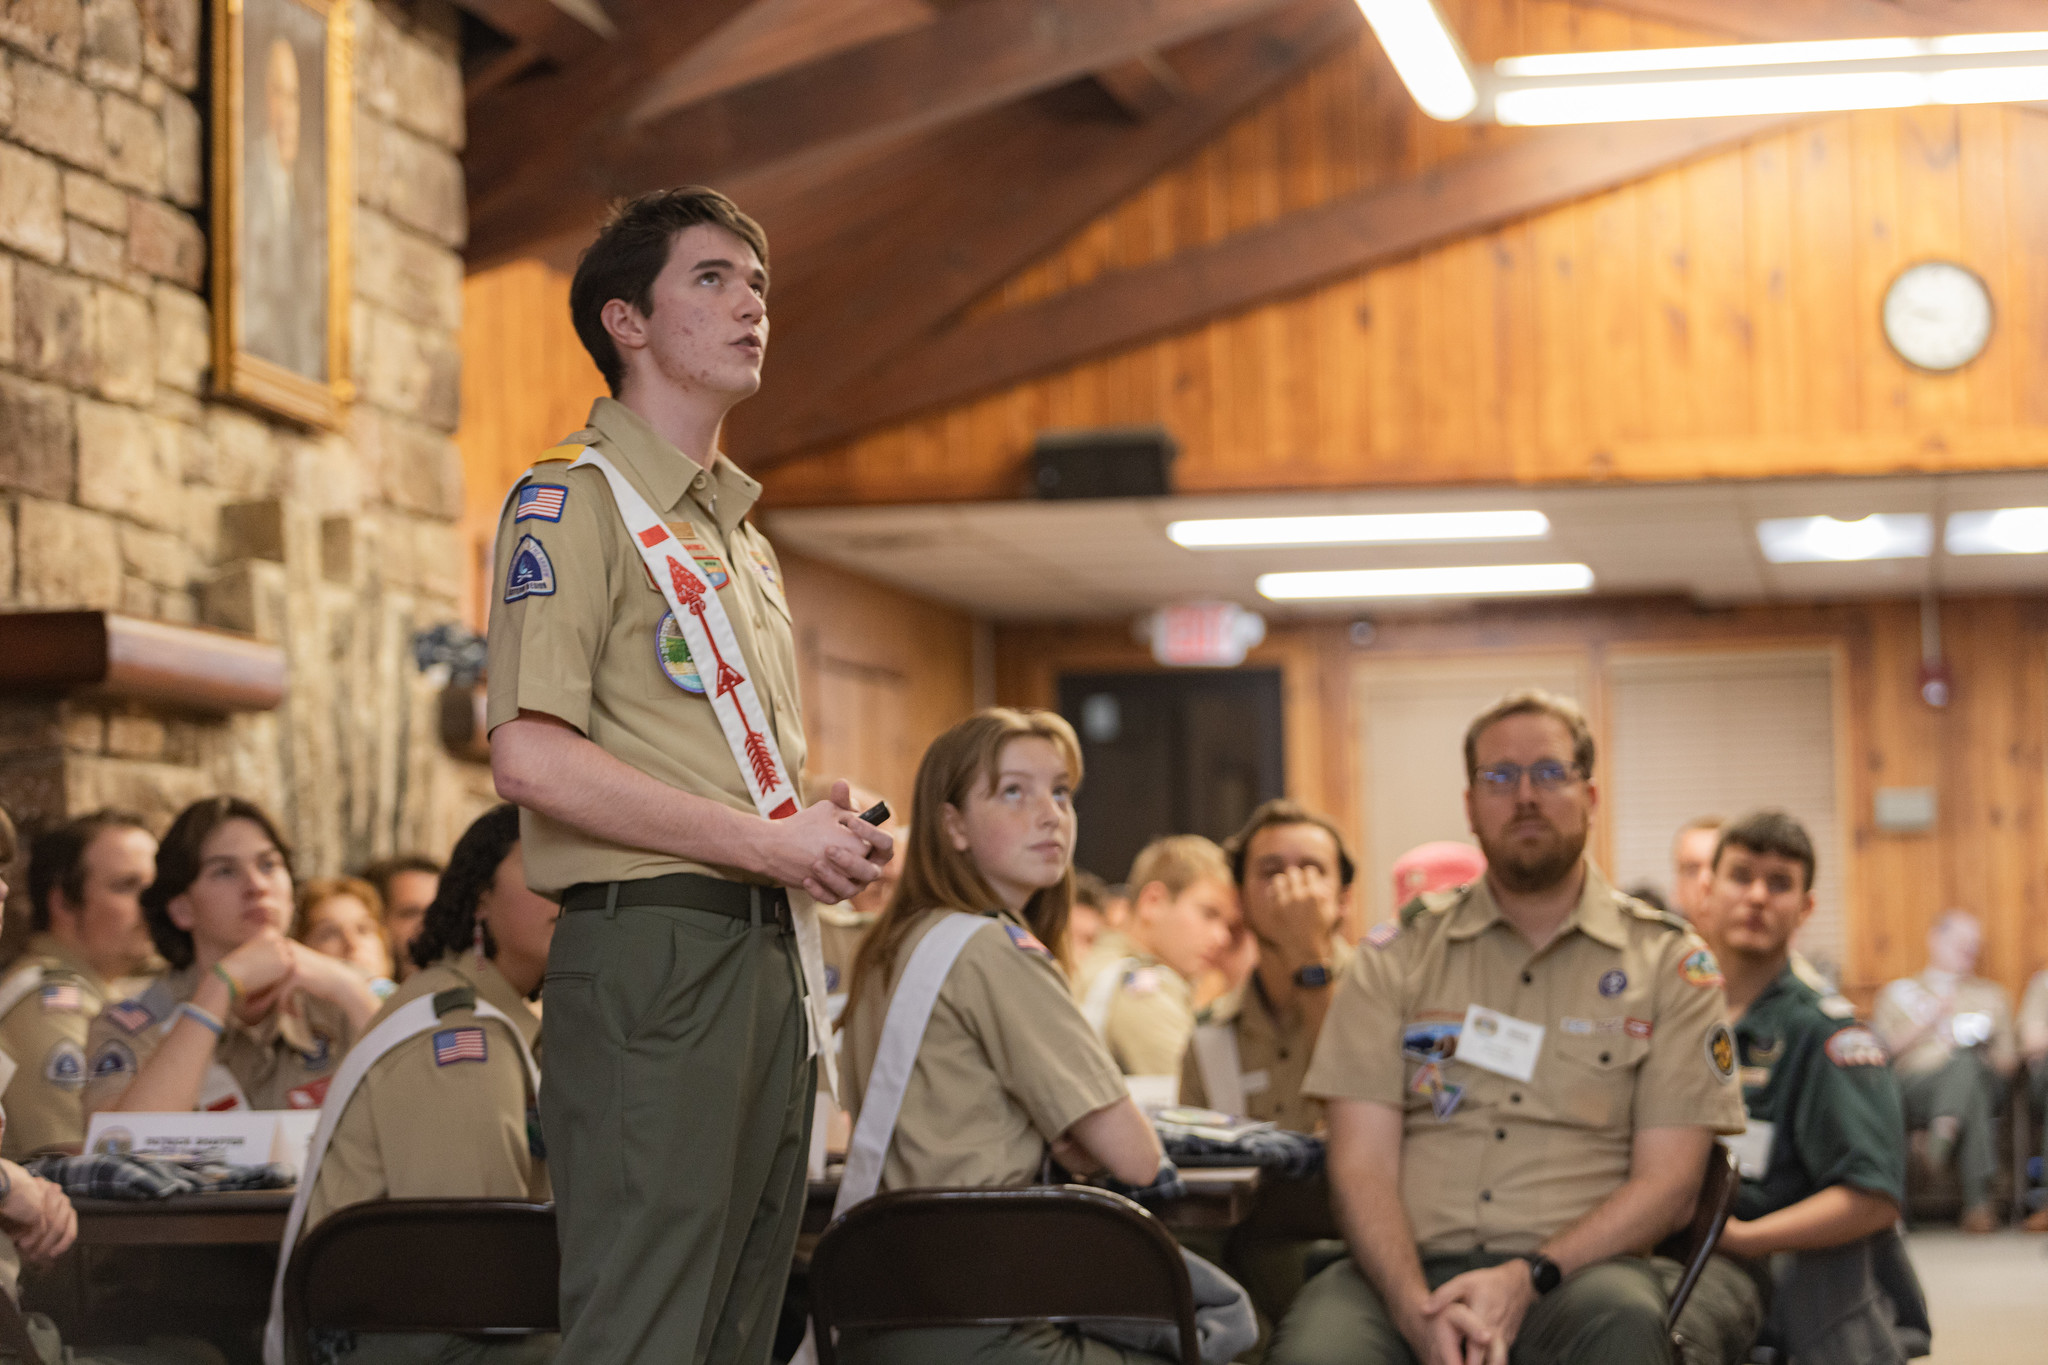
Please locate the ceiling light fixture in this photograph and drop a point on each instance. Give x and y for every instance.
(1485, 580)
(1812, 540)
(1425, 55)
(2006, 531)
(1384, 528)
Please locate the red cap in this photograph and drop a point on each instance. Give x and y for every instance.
(1433, 866)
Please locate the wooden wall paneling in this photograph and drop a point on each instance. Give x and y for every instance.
(1880, 255)
(2027, 181)
(1983, 154)
(1930, 225)
(1780, 364)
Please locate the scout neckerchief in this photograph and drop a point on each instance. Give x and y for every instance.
(910, 1010)
(408, 1021)
(708, 632)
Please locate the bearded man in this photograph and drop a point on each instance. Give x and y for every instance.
(1522, 1083)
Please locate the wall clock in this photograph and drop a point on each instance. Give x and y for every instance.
(1938, 316)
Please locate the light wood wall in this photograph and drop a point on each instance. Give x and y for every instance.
(1719, 319)
(1984, 754)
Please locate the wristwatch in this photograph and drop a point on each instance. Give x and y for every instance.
(1314, 974)
(1544, 1274)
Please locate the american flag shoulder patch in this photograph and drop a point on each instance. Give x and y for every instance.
(131, 1015)
(1028, 941)
(540, 502)
(63, 997)
(452, 1045)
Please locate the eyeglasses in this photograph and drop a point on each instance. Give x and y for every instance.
(1547, 776)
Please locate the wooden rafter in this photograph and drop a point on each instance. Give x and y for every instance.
(1796, 20)
(1481, 190)
(924, 233)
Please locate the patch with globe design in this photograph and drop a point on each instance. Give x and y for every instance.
(672, 651)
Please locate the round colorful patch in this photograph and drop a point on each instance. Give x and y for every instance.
(672, 652)
(1700, 969)
(1721, 1052)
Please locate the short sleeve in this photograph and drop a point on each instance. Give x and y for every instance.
(1890, 1019)
(551, 596)
(48, 1049)
(112, 1057)
(475, 1144)
(1149, 1027)
(1687, 1079)
(1016, 1004)
(1358, 1054)
(1849, 1122)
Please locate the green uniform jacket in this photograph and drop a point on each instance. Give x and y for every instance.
(1823, 1081)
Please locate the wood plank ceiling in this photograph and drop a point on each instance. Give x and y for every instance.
(908, 156)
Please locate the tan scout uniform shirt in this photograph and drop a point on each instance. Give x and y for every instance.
(1151, 1012)
(1635, 1036)
(282, 1061)
(1006, 1065)
(43, 1038)
(1272, 1053)
(1907, 1003)
(841, 927)
(415, 1129)
(589, 641)
(2033, 1007)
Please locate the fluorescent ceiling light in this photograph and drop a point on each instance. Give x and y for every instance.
(1810, 540)
(1425, 56)
(1769, 54)
(1487, 580)
(2007, 531)
(1389, 528)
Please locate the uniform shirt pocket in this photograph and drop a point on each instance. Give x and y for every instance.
(1593, 1083)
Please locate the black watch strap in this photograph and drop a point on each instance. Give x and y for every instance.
(1314, 974)
(1544, 1273)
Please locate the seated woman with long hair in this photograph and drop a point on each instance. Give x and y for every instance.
(440, 1105)
(245, 1018)
(1007, 1069)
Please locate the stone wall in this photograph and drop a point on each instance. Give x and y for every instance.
(125, 486)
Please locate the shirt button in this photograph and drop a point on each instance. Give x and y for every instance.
(1500, 1134)
(1528, 980)
(1486, 1196)
(1515, 1098)
(1605, 1057)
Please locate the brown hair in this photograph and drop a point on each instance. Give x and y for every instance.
(56, 860)
(177, 866)
(1177, 862)
(1533, 701)
(631, 250)
(1282, 812)
(322, 889)
(1769, 831)
(937, 876)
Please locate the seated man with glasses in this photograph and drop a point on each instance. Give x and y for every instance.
(1522, 1085)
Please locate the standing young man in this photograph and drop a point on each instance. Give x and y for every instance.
(644, 716)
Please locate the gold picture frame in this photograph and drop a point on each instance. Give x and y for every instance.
(282, 195)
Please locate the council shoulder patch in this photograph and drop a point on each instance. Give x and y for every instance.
(1382, 934)
(532, 573)
(1698, 968)
(1856, 1046)
(541, 502)
(1721, 1051)
(452, 1045)
(131, 1015)
(64, 1066)
(115, 1058)
(1028, 941)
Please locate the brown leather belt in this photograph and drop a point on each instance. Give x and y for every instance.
(760, 905)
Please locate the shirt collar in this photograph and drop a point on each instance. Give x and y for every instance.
(1597, 915)
(724, 492)
(44, 944)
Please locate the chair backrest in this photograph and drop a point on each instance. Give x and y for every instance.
(475, 1266)
(1696, 1243)
(988, 1257)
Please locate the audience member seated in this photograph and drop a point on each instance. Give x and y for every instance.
(1137, 987)
(1251, 1048)
(1692, 865)
(2033, 1038)
(1005, 1065)
(1951, 1039)
(1522, 1086)
(342, 917)
(1824, 1158)
(85, 880)
(1091, 897)
(245, 1018)
(405, 887)
(446, 1109)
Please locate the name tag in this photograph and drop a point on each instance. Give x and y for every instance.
(1753, 1149)
(1499, 1043)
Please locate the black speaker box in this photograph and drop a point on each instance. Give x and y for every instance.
(1103, 462)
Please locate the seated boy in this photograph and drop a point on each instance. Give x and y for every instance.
(1136, 986)
(1824, 1158)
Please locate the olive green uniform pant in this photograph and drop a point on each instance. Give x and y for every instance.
(1610, 1313)
(676, 1103)
(2037, 1085)
(1030, 1344)
(1964, 1089)
(435, 1348)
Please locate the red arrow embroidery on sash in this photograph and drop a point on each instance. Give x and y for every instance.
(691, 591)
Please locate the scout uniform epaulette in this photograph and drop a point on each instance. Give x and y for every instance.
(1645, 911)
(454, 998)
(1432, 903)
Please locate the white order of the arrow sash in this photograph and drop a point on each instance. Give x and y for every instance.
(708, 632)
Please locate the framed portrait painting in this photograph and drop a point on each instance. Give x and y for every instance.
(282, 194)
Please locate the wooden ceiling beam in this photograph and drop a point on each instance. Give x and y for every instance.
(1801, 20)
(558, 30)
(1480, 191)
(918, 237)
(972, 58)
(1142, 86)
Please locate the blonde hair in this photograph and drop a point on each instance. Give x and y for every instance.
(1177, 862)
(938, 876)
(316, 893)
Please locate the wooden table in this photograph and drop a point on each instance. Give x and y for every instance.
(228, 1218)
(1218, 1197)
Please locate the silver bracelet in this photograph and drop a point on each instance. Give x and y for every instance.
(202, 1018)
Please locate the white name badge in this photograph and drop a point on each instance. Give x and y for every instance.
(1753, 1149)
(241, 1137)
(1499, 1043)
